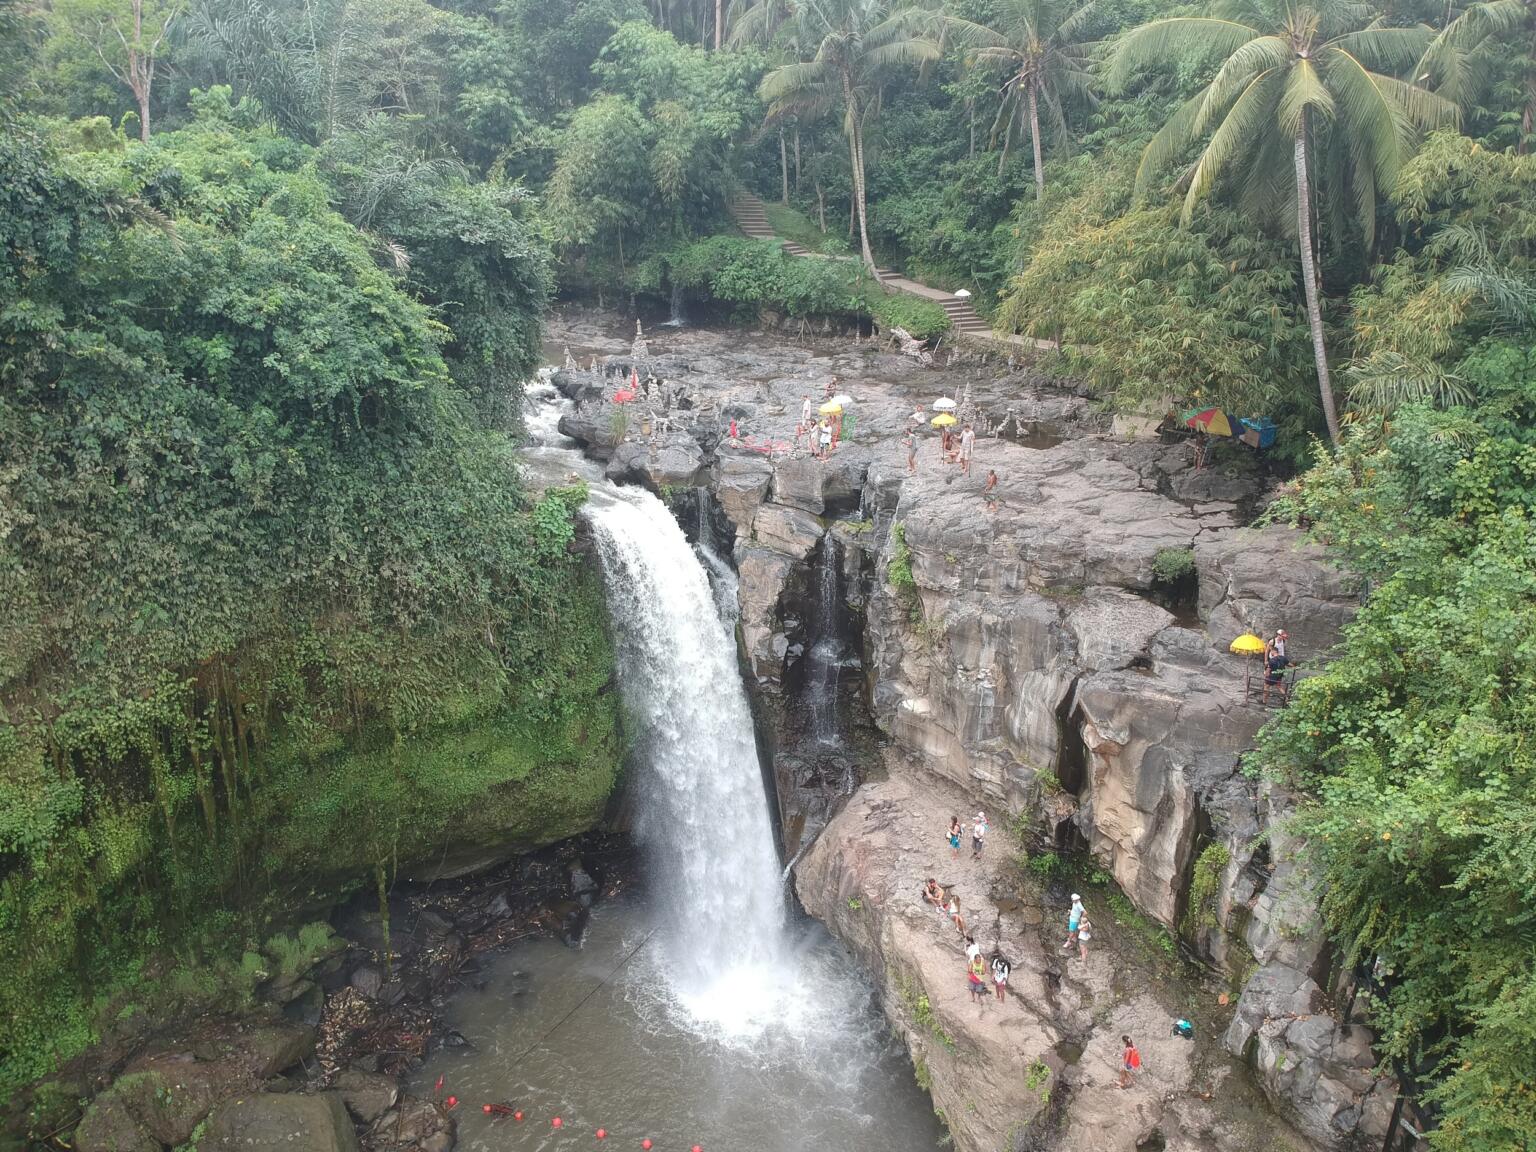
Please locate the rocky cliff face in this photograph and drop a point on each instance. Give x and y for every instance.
(1052, 648)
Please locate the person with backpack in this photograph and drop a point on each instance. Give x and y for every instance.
(1130, 1063)
(1000, 970)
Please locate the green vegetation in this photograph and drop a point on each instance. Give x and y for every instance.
(1205, 888)
(1170, 565)
(756, 274)
(278, 614)
(898, 567)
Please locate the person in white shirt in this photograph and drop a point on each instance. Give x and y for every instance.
(1074, 918)
(978, 835)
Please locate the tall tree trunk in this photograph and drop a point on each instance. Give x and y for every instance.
(1309, 277)
(797, 157)
(783, 169)
(860, 203)
(719, 4)
(856, 152)
(821, 207)
(1034, 135)
(970, 108)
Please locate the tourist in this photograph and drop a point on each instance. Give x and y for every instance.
(918, 418)
(946, 444)
(967, 442)
(831, 384)
(954, 837)
(824, 439)
(972, 949)
(953, 908)
(1000, 970)
(988, 491)
(1084, 934)
(910, 440)
(1074, 918)
(934, 895)
(1277, 645)
(978, 835)
(806, 411)
(1130, 1062)
(975, 977)
(1275, 664)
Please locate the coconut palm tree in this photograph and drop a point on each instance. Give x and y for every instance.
(1040, 44)
(854, 47)
(1296, 94)
(1451, 64)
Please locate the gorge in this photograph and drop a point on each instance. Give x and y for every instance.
(1031, 664)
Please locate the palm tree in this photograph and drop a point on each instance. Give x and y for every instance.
(855, 46)
(1450, 64)
(1295, 94)
(1039, 43)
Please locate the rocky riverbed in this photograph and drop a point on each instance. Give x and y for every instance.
(316, 1060)
(1055, 651)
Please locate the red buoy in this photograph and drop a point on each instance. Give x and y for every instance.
(518, 1115)
(601, 1134)
(696, 1148)
(486, 1108)
(453, 1101)
(646, 1144)
(556, 1122)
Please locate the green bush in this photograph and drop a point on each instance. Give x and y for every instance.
(1171, 565)
(898, 568)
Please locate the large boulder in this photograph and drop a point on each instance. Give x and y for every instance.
(281, 1122)
(787, 530)
(740, 484)
(1258, 580)
(670, 460)
(167, 1091)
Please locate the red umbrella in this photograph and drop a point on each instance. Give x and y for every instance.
(1212, 420)
(624, 396)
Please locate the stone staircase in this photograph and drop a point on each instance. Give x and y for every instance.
(752, 218)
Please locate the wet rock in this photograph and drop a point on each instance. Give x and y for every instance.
(261, 1122)
(367, 1095)
(498, 907)
(434, 923)
(167, 1091)
(410, 1126)
(368, 980)
(582, 883)
(452, 1039)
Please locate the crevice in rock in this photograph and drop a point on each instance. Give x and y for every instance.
(1072, 757)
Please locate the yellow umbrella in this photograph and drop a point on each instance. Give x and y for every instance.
(944, 420)
(830, 409)
(1248, 645)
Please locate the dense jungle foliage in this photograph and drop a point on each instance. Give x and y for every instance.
(276, 611)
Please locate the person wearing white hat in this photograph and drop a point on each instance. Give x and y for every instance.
(978, 835)
(1074, 918)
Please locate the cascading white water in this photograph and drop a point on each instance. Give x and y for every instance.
(722, 577)
(702, 813)
(825, 658)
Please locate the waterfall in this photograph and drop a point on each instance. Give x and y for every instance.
(722, 577)
(676, 319)
(701, 812)
(824, 661)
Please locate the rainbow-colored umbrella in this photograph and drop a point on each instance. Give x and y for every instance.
(1211, 420)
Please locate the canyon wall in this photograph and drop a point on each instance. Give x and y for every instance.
(1053, 649)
